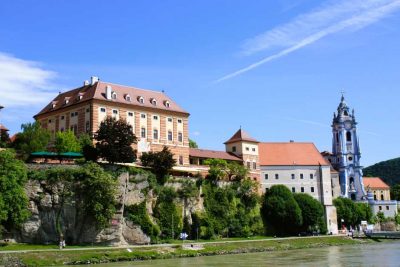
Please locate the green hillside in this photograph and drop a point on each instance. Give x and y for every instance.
(388, 170)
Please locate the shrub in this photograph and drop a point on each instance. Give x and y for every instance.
(138, 215)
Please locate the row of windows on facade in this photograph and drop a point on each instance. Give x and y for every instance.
(142, 115)
(302, 189)
(293, 176)
(156, 135)
(247, 149)
(387, 208)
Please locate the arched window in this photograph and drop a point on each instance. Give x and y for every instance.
(348, 136)
(114, 95)
(140, 100)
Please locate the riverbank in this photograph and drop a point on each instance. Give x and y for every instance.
(75, 256)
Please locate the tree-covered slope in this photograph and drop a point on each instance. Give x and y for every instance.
(388, 170)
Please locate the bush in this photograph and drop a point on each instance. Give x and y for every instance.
(159, 162)
(167, 214)
(138, 215)
(312, 212)
(280, 211)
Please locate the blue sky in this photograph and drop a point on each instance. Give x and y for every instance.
(276, 68)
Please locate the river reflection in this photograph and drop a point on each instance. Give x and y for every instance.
(378, 254)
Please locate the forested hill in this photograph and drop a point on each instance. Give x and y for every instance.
(388, 170)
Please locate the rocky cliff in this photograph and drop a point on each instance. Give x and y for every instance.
(50, 211)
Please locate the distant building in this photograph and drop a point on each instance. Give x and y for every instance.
(301, 168)
(378, 187)
(156, 119)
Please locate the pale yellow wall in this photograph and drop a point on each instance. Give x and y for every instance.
(101, 115)
(241, 148)
(379, 192)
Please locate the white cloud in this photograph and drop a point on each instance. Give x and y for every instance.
(24, 83)
(311, 27)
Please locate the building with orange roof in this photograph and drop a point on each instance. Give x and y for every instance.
(157, 120)
(378, 187)
(301, 168)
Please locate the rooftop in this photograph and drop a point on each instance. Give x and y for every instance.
(121, 94)
(212, 154)
(241, 135)
(290, 153)
(374, 183)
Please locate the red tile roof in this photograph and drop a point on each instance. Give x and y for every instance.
(212, 154)
(241, 135)
(374, 182)
(3, 128)
(98, 91)
(291, 153)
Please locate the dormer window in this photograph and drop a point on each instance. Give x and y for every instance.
(167, 104)
(140, 99)
(53, 105)
(66, 101)
(79, 97)
(128, 98)
(153, 102)
(114, 95)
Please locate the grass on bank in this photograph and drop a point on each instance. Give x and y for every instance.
(49, 258)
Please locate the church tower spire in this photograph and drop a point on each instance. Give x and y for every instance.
(346, 152)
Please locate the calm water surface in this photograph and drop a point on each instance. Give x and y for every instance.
(379, 254)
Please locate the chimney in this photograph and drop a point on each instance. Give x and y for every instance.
(94, 80)
(86, 83)
(108, 91)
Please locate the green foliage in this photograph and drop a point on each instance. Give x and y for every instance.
(388, 170)
(352, 213)
(89, 152)
(92, 187)
(159, 162)
(237, 172)
(167, 214)
(13, 200)
(114, 140)
(192, 144)
(66, 142)
(280, 211)
(98, 189)
(395, 192)
(312, 212)
(232, 211)
(4, 139)
(138, 215)
(32, 139)
(217, 169)
(188, 189)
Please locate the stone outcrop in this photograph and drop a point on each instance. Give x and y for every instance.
(48, 213)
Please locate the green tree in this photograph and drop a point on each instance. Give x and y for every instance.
(280, 211)
(395, 192)
(193, 144)
(312, 212)
(347, 213)
(98, 189)
(4, 139)
(13, 200)
(114, 140)
(218, 169)
(88, 150)
(166, 212)
(66, 142)
(236, 171)
(160, 162)
(33, 138)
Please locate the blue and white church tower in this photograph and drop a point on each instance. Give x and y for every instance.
(346, 152)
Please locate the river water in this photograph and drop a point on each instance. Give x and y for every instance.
(378, 254)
